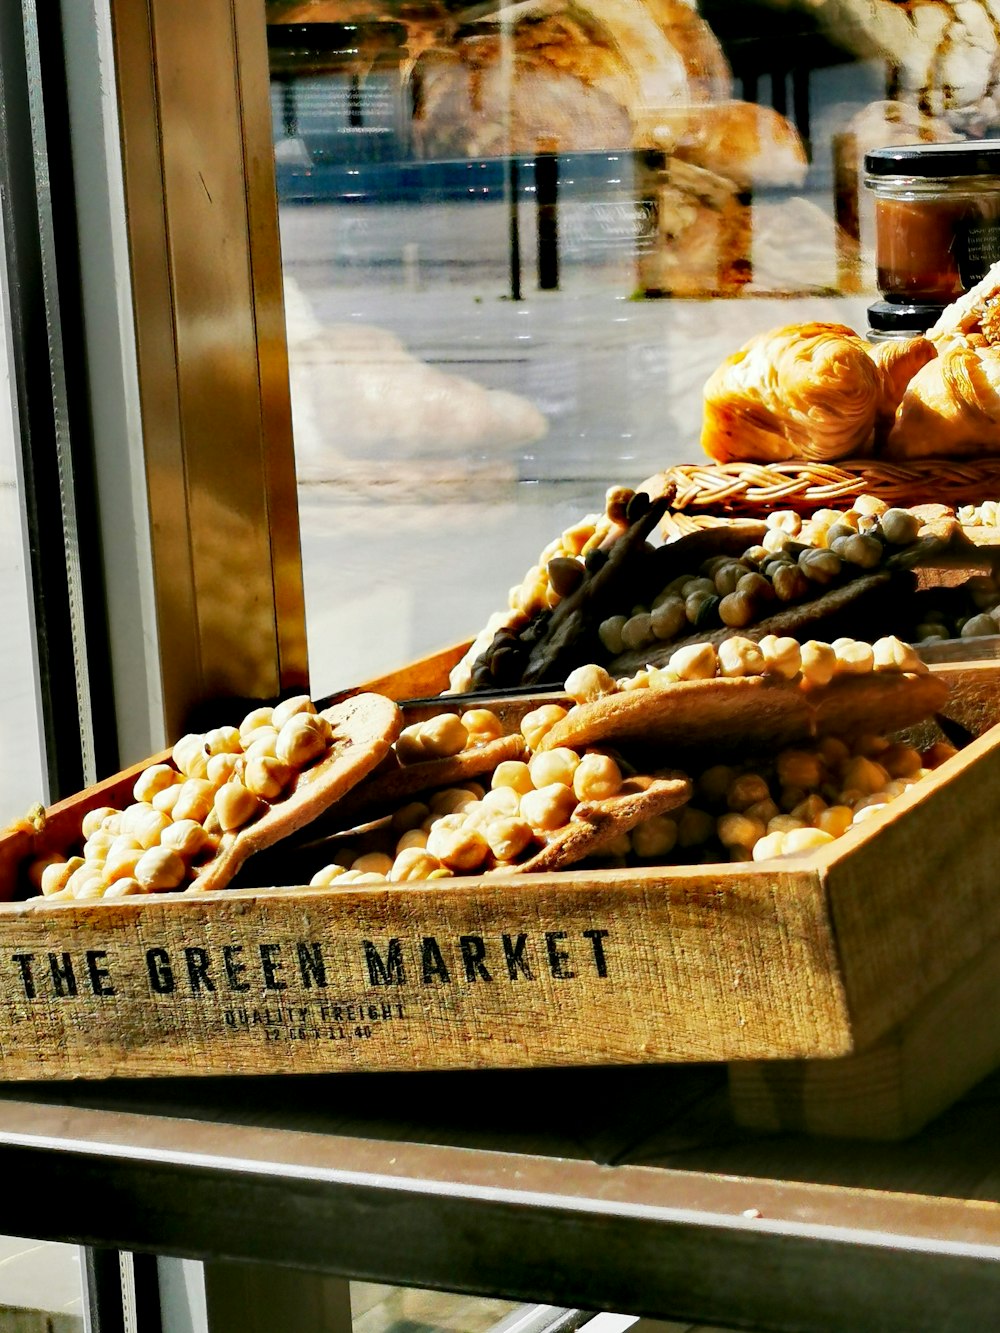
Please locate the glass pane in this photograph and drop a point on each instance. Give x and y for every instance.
(41, 1287)
(22, 776)
(516, 242)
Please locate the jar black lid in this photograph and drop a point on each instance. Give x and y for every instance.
(903, 317)
(975, 157)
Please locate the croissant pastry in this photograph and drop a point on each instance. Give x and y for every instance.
(898, 360)
(951, 407)
(808, 391)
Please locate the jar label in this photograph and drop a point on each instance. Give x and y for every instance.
(977, 249)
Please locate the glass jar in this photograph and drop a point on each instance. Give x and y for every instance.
(900, 319)
(937, 217)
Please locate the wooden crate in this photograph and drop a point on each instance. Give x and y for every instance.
(817, 957)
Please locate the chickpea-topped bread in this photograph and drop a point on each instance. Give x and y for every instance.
(223, 796)
(745, 692)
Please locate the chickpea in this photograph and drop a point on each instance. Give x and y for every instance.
(764, 811)
(122, 859)
(784, 520)
(726, 577)
(300, 740)
(38, 867)
(481, 726)
(746, 790)
(223, 767)
(668, 618)
(809, 809)
(413, 863)
(94, 819)
(864, 775)
(223, 740)
(597, 777)
(715, 782)
(536, 725)
(409, 816)
(694, 827)
(500, 802)
(938, 753)
(461, 850)
(450, 801)
(160, 869)
(443, 736)
(699, 607)
(96, 846)
(551, 766)
(414, 837)
(900, 527)
(610, 635)
(790, 583)
(638, 631)
(782, 656)
(869, 506)
(254, 720)
(261, 743)
(194, 800)
(267, 777)
(56, 875)
(740, 657)
(589, 682)
(784, 824)
(800, 768)
(507, 837)
(513, 773)
(123, 888)
(891, 654)
(289, 708)
(853, 657)
(737, 610)
(374, 863)
(820, 566)
(655, 837)
(189, 755)
(697, 661)
(819, 662)
(154, 779)
(235, 806)
(769, 847)
(549, 807)
(188, 838)
(327, 875)
(165, 800)
(738, 830)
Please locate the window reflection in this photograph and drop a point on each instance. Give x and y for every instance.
(518, 238)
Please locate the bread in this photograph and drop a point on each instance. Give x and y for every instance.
(747, 712)
(365, 727)
(808, 391)
(951, 407)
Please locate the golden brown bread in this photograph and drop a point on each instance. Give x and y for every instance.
(951, 407)
(802, 391)
(365, 726)
(745, 712)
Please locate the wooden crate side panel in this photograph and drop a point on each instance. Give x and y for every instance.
(915, 901)
(585, 970)
(897, 1086)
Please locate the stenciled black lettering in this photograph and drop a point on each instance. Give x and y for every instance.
(432, 964)
(161, 974)
(24, 961)
(597, 938)
(513, 953)
(98, 975)
(234, 967)
(63, 976)
(271, 966)
(312, 968)
(197, 969)
(473, 949)
(558, 958)
(388, 971)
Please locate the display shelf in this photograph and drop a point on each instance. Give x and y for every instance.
(629, 1190)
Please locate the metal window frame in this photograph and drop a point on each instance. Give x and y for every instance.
(187, 361)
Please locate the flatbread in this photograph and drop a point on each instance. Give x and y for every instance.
(365, 726)
(396, 783)
(749, 712)
(596, 824)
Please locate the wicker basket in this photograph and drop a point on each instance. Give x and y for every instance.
(729, 490)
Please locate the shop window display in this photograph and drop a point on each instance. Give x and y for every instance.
(518, 240)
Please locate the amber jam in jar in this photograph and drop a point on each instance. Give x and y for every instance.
(937, 217)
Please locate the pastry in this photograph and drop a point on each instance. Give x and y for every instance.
(808, 391)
